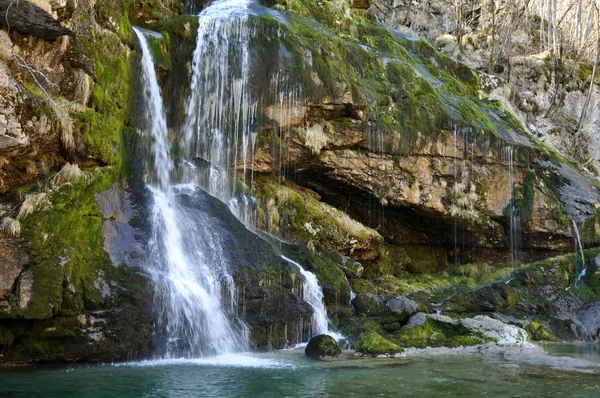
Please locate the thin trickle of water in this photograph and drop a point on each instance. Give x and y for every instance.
(188, 262)
(579, 251)
(455, 196)
(313, 295)
(514, 218)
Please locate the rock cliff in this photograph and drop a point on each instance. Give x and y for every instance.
(381, 155)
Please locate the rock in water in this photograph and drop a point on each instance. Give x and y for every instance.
(27, 18)
(322, 346)
(373, 344)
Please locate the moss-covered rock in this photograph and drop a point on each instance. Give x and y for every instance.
(537, 332)
(433, 333)
(297, 215)
(371, 343)
(322, 346)
(369, 305)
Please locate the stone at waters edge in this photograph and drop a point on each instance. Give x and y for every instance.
(322, 346)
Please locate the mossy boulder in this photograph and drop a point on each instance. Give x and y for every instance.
(369, 305)
(322, 346)
(427, 332)
(352, 269)
(537, 332)
(372, 343)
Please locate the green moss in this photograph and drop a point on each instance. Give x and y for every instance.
(434, 333)
(512, 300)
(298, 216)
(71, 266)
(362, 286)
(159, 47)
(103, 127)
(537, 332)
(183, 26)
(372, 343)
(323, 346)
(584, 71)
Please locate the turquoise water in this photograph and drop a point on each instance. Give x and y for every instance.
(290, 374)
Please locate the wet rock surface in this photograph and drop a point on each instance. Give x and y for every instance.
(322, 347)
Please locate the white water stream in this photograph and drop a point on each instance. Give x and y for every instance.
(189, 262)
(579, 248)
(195, 291)
(313, 295)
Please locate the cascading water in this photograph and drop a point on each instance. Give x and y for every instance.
(515, 220)
(188, 262)
(514, 217)
(579, 251)
(190, 265)
(220, 113)
(313, 295)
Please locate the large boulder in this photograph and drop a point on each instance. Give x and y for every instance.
(322, 346)
(369, 304)
(402, 306)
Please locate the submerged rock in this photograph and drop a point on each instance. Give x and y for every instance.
(322, 346)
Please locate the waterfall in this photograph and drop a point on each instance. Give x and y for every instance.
(579, 248)
(188, 263)
(155, 115)
(190, 266)
(313, 295)
(221, 112)
(514, 217)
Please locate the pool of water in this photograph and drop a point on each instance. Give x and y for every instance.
(290, 374)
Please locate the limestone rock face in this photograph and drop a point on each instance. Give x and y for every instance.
(121, 240)
(589, 316)
(70, 271)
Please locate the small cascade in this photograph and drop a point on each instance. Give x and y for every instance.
(579, 251)
(313, 295)
(455, 190)
(188, 263)
(514, 217)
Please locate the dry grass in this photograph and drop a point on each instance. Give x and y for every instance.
(10, 227)
(68, 174)
(66, 125)
(33, 203)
